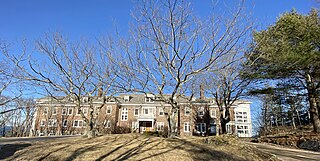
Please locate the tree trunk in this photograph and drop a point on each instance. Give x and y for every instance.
(172, 125)
(312, 98)
(90, 131)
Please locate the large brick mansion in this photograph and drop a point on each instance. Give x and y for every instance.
(138, 113)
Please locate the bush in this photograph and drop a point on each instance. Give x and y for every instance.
(121, 130)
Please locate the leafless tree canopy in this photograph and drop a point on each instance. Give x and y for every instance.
(170, 45)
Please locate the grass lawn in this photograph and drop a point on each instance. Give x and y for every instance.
(131, 147)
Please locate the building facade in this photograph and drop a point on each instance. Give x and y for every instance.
(137, 113)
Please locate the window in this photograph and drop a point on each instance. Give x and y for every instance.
(135, 125)
(64, 111)
(126, 98)
(109, 109)
(85, 111)
(145, 111)
(228, 128)
(108, 124)
(45, 111)
(187, 111)
(124, 114)
(79, 112)
(213, 113)
(186, 127)
(70, 111)
(78, 123)
(54, 111)
(52, 122)
(136, 112)
(161, 112)
(201, 127)
(65, 123)
(201, 111)
(149, 98)
(160, 126)
(43, 122)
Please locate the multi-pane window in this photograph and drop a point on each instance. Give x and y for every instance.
(201, 111)
(70, 110)
(78, 123)
(146, 111)
(186, 127)
(109, 109)
(54, 111)
(43, 122)
(135, 125)
(160, 126)
(126, 98)
(228, 128)
(45, 111)
(149, 98)
(213, 113)
(161, 112)
(187, 111)
(243, 129)
(241, 117)
(64, 111)
(65, 123)
(85, 111)
(136, 112)
(108, 124)
(124, 114)
(201, 127)
(52, 122)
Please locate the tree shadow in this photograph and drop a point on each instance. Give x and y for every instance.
(8, 150)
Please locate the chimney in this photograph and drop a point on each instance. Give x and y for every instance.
(201, 92)
(100, 91)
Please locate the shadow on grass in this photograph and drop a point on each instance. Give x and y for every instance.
(196, 151)
(9, 149)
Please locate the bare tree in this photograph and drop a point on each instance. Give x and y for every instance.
(227, 86)
(72, 70)
(169, 46)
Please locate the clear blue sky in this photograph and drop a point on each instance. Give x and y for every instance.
(92, 18)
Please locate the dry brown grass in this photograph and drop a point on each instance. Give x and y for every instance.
(134, 147)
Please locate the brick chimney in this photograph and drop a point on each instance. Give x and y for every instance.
(201, 92)
(100, 92)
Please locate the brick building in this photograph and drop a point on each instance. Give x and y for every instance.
(137, 113)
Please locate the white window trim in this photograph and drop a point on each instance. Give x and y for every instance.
(188, 127)
(213, 113)
(78, 125)
(109, 107)
(64, 109)
(134, 112)
(107, 124)
(161, 110)
(159, 124)
(199, 110)
(54, 109)
(45, 111)
(124, 114)
(63, 125)
(185, 111)
(85, 110)
(43, 120)
(53, 123)
(69, 110)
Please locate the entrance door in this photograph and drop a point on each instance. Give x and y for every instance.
(146, 126)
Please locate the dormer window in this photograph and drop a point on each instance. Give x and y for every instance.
(149, 98)
(85, 99)
(201, 111)
(126, 98)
